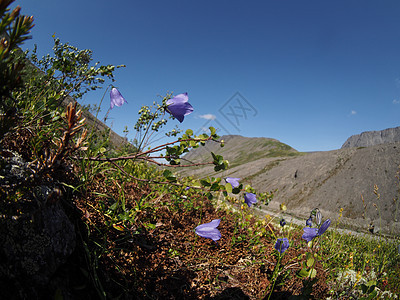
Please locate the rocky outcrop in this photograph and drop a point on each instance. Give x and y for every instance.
(371, 138)
(36, 235)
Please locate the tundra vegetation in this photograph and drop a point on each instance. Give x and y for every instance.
(139, 231)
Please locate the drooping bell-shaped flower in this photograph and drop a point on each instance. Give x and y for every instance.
(309, 222)
(209, 230)
(250, 199)
(324, 226)
(116, 98)
(310, 233)
(233, 181)
(282, 222)
(282, 245)
(179, 107)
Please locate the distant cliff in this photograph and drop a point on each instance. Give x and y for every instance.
(371, 138)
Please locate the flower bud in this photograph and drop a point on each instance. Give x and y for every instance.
(15, 12)
(318, 217)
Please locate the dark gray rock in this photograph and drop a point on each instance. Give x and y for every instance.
(371, 138)
(36, 236)
(34, 245)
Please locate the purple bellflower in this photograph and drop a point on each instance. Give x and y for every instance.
(116, 98)
(310, 233)
(250, 199)
(179, 106)
(209, 230)
(282, 222)
(282, 245)
(233, 181)
(309, 222)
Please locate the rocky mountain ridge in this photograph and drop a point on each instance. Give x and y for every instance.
(371, 138)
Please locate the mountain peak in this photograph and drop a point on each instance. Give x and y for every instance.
(371, 138)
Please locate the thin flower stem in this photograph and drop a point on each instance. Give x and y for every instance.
(97, 113)
(137, 155)
(275, 275)
(148, 127)
(195, 240)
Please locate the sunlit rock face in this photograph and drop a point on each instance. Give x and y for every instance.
(371, 138)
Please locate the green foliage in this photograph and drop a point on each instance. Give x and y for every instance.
(70, 71)
(14, 30)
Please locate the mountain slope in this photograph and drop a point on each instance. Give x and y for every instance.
(238, 150)
(329, 180)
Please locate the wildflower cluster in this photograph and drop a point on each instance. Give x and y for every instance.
(310, 233)
(179, 107)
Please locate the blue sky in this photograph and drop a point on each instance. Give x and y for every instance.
(308, 73)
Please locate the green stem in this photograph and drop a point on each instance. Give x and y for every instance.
(275, 275)
(201, 216)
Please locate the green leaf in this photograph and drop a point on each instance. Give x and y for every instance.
(205, 182)
(228, 187)
(214, 156)
(167, 173)
(248, 188)
(114, 206)
(310, 262)
(312, 273)
(195, 183)
(214, 187)
(217, 168)
(150, 225)
(212, 130)
(226, 164)
(189, 132)
(175, 162)
(303, 273)
(237, 190)
(124, 216)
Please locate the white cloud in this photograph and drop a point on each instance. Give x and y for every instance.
(353, 112)
(208, 117)
(395, 101)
